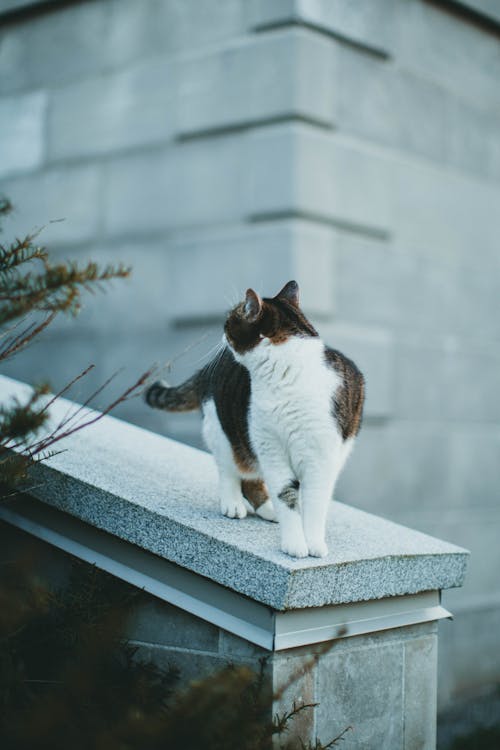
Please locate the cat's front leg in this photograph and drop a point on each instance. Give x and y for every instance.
(284, 489)
(317, 487)
(232, 503)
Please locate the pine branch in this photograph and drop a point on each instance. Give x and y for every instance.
(19, 423)
(281, 721)
(20, 251)
(55, 289)
(15, 344)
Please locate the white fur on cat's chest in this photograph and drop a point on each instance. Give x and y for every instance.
(291, 399)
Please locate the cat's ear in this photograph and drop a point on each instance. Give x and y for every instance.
(253, 306)
(290, 292)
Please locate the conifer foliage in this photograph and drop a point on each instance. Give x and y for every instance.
(70, 679)
(33, 290)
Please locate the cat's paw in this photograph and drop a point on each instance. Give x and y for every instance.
(295, 547)
(233, 508)
(267, 512)
(318, 548)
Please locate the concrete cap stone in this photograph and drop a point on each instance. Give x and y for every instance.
(162, 496)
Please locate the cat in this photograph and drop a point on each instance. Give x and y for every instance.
(280, 414)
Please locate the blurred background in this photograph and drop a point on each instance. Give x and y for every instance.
(351, 145)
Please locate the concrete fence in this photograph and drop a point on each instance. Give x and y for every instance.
(144, 508)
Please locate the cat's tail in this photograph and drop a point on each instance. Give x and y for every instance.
(184, 397)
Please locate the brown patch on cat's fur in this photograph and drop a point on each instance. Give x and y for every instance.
(347, 406)
(289, 495)
(244, 458)
(255, 492)
(228, 384)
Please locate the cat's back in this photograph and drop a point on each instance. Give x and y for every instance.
(349, 397)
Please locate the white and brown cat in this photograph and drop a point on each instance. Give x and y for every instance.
(280, 413)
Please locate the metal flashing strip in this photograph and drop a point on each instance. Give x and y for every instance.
(272, 630)
(299, 627)
(189, 591)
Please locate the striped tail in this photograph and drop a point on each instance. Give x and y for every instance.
(183, 398)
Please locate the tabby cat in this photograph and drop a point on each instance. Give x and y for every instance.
(280, 414)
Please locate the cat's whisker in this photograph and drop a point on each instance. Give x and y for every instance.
(215, 350)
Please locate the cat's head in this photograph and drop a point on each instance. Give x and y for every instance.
(274, 320)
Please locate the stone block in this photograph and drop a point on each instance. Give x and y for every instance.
(361, 22)
(238, 649)
(420, 693)
(397, 467)
(176, 187)
(117, 111)
(158, 623)
(132, 307)
(298, 169)
(426, 38)
(64, 201)
(285, 74)
(472, 138)
(446, 389)
(474, 451)
(362, 689)
(191, 665)
(443, 209)
(376, 285)
(290, 170)
(427, 297)
(55, 47)
(294, 683)
(22, 128)
(380, 102)
(137, 30)
(211, 269)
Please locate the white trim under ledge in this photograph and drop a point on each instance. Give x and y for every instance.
(257, 623)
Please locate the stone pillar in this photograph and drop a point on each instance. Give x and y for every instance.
(354, 632)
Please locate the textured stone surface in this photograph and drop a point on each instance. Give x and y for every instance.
(361, 22)
(64, 201)
(156, 622)
(137, 30)
(285, 74)
(361, 688)
(321, 174)
(162, 496)
(128, 109)
(22, 132)
(56, 46)
(420, 692)
(294, 681)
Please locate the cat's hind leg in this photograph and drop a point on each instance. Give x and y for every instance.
(232, 502)
(255, 491)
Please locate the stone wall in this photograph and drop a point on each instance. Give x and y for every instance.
(381, 685)
(356, 147)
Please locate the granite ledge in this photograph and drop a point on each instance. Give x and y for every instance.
(162, 496)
